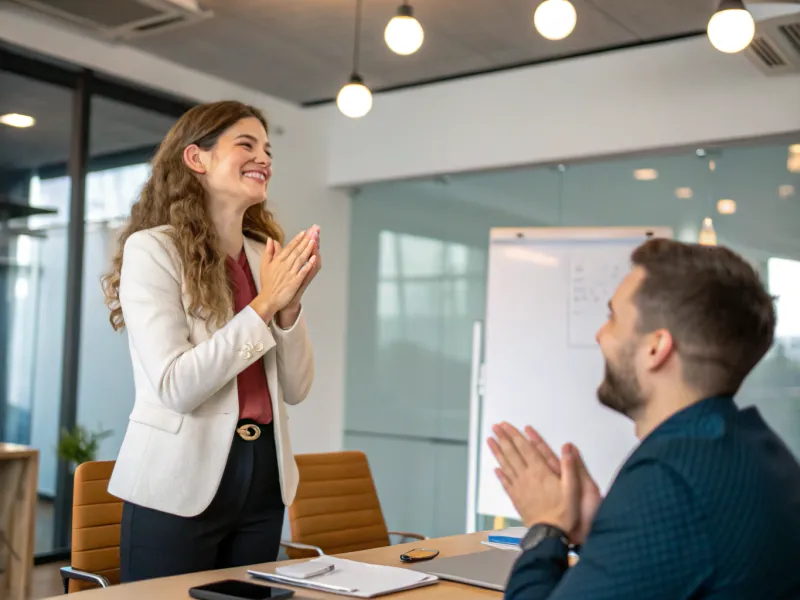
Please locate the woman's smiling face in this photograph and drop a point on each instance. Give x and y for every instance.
(238, 168)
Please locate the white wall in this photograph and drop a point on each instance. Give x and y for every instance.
(298, 193)
(302, 198)
(673, 94)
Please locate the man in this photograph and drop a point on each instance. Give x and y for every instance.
(708, 505)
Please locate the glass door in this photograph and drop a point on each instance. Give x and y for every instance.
(35, 133)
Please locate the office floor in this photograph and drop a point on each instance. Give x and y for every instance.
(46, 581)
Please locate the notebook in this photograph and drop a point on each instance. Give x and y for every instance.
(356, 579)
(509, 535)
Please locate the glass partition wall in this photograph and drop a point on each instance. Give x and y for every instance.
(418, 283)
(74, 151)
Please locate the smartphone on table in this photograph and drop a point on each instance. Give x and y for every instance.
(236, 589)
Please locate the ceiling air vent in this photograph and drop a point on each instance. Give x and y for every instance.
(791, 34)
(775, 49)
(767, 53)
(121, 19)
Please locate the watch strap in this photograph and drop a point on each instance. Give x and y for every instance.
(540, 532)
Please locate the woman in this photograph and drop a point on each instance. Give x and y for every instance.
(212, 305)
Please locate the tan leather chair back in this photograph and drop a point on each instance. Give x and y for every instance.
(336, 507)
(96, 518)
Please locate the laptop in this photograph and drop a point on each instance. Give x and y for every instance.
(487, 569)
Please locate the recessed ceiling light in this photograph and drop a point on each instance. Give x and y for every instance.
(708, 235)
(684, 192)
(700, 152)
(17, 120)
(786, 191)
(793, 163)
(645, 174)
(794, 148)
(726, 206)
(712, 165)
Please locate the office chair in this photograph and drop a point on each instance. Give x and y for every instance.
(336, 508)
(96, 518)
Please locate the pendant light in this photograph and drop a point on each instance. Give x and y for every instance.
(403, 33)
(732, 27)
(555, 19)
(354, 99)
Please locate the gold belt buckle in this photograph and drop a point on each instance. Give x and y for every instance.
(249, 432)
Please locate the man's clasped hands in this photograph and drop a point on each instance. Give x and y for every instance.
(543, 487)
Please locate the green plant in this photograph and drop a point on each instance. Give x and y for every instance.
(80, 445)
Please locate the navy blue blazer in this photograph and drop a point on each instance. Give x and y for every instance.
(707, 506)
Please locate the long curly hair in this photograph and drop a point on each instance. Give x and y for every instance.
(174, 196)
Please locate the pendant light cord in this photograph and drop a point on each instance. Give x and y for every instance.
(357, 37)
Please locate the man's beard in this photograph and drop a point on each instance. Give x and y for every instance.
(620, 389)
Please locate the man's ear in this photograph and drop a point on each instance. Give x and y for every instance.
(659, 349)
(193, 158)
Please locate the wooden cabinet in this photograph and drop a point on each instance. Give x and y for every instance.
(19, 466)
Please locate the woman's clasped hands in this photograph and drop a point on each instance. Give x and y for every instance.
(286, 274)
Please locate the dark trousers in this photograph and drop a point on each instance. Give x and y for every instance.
(241, 526)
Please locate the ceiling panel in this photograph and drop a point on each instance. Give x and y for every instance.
(301, 50)
(659, 19)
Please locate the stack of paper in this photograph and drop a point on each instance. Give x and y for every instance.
(351, 578)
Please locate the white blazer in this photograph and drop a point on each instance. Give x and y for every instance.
(187, 406)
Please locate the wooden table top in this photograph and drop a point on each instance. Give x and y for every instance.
(178, 586)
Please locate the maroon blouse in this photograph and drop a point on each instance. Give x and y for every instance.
(254, 397)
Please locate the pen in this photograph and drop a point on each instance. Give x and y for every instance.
(327, 569)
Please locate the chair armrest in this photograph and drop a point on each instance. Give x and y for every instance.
(299, 546)
(406, 534)
(68, 573)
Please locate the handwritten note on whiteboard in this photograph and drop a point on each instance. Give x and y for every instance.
(593, 278)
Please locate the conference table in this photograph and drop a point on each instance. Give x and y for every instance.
(177, 587)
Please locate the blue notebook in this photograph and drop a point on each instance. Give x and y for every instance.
(510, 535)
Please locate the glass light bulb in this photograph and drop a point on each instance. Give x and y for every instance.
(731, 30)
(354, 100)
(555, 19)
(403, 35)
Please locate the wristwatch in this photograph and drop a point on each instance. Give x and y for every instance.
(540, 532)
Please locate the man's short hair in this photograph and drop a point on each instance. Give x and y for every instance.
(713, 303)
